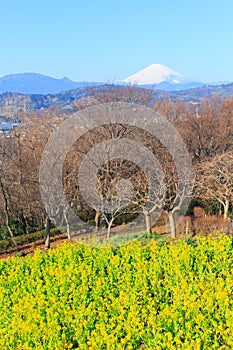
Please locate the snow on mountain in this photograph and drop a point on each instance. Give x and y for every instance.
(155, 74)
(160, 77)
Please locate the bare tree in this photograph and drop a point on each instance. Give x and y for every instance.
(207, 128)
(113, 191)
(215, 180)
(110, 121)
(7, 179)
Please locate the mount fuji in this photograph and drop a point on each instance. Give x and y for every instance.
(155, 76)
(160, 77)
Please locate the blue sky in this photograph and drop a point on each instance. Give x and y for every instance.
(102, 40)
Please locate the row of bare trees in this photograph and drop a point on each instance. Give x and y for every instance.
(21, 209)
(206, 128)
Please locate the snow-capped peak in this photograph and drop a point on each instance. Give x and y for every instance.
(155, 74)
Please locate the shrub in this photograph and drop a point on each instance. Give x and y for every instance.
(24, 239)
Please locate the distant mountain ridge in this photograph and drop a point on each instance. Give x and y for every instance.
(13, 105)
(154, 76)
(35, 83)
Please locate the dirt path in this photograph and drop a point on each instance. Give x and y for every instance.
(30, 247)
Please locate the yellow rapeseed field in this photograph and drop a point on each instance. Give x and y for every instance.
(157, 296)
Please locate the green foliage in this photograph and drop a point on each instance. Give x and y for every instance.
(24, 239)
(19, 226)
(212, 208)
(194, 203)
(20, 255)
(190, 241)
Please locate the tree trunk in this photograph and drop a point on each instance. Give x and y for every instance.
(148, 221)
(220, 209)
(8, 227)
(67, 224)
(226, 209)
(108, 231)
(109, 227)
(47, 233)
(27, 229)
(172, 224)
(97, 220)
(68, 229)
(7, 216)
(187, 228)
